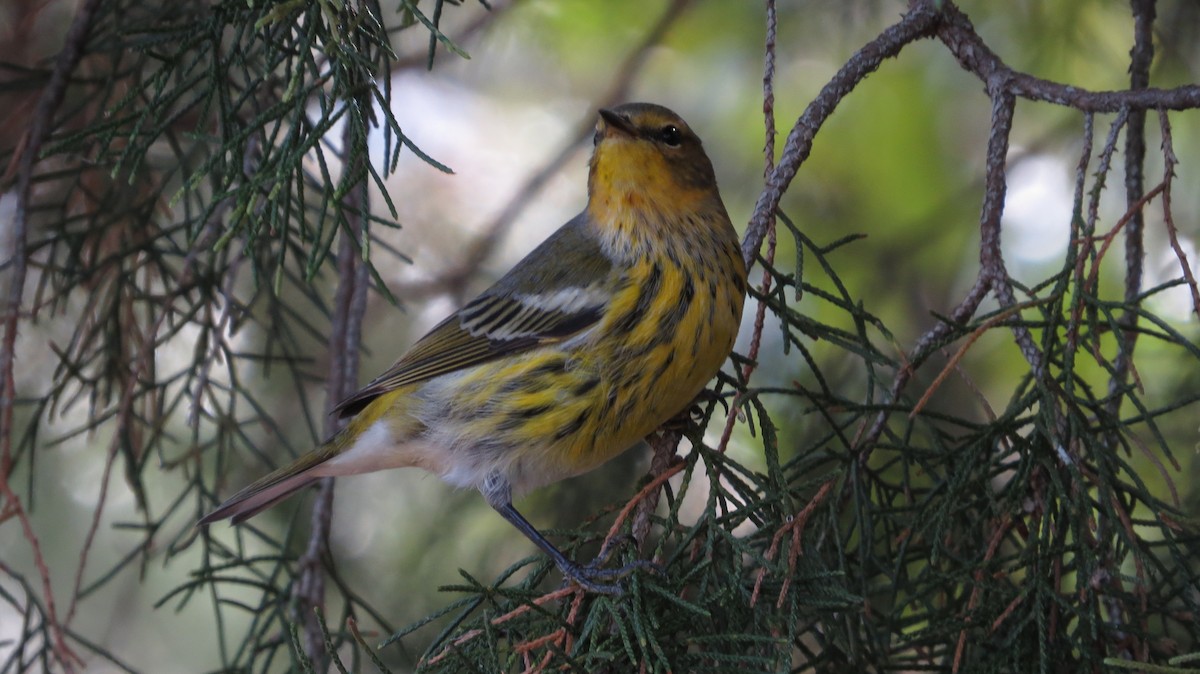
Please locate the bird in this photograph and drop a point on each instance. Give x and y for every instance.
(610, 327)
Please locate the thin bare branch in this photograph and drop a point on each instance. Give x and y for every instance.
(760, 312)
(920, 21)
(1140, 58)
(991, 256)
(1170, 161)
(345, 340)
(956, 32)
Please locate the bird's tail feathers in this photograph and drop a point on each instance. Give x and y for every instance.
(267, 491)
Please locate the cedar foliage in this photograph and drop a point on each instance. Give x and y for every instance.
(201, 171)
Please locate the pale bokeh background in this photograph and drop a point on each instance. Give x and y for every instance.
(900, 161)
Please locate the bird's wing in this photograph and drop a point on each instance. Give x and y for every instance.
(557, 291)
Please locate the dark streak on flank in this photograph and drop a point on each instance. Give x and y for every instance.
(662, 369)
(671, 319)
(740, 283)
(586, 387)
(627, 407)
(554, 366)
(576, 424)
(531, 412)
(609, 401)
(646, 296)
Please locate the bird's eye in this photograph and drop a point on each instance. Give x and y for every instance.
(669, 134)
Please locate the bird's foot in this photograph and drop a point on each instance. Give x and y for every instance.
(593, 578)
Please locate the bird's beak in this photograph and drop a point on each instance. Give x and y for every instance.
(614, 121)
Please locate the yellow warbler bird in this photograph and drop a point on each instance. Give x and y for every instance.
(607, 329)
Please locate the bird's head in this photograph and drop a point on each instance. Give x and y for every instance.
(647, 156)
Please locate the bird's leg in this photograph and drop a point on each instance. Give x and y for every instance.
(590, 577)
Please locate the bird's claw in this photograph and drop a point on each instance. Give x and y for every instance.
(607, 581)
(612, 545)
(594, 578)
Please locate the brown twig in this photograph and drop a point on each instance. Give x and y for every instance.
(993, 546)
(769, 90)
(1162, 469)
(1169, 164)
(1142, 582)
(962, 350)
(662, 455)
(760, 312)
(651, 487)
(519, 611)
(1012, 606)
(925, 344)
(794, 526)
(1124, 222)
(141, 369)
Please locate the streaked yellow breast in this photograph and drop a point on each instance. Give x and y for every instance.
(563, 409)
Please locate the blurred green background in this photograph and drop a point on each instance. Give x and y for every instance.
(901, 162)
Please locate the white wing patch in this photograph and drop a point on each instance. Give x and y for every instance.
(530, 315)
(567, 300)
